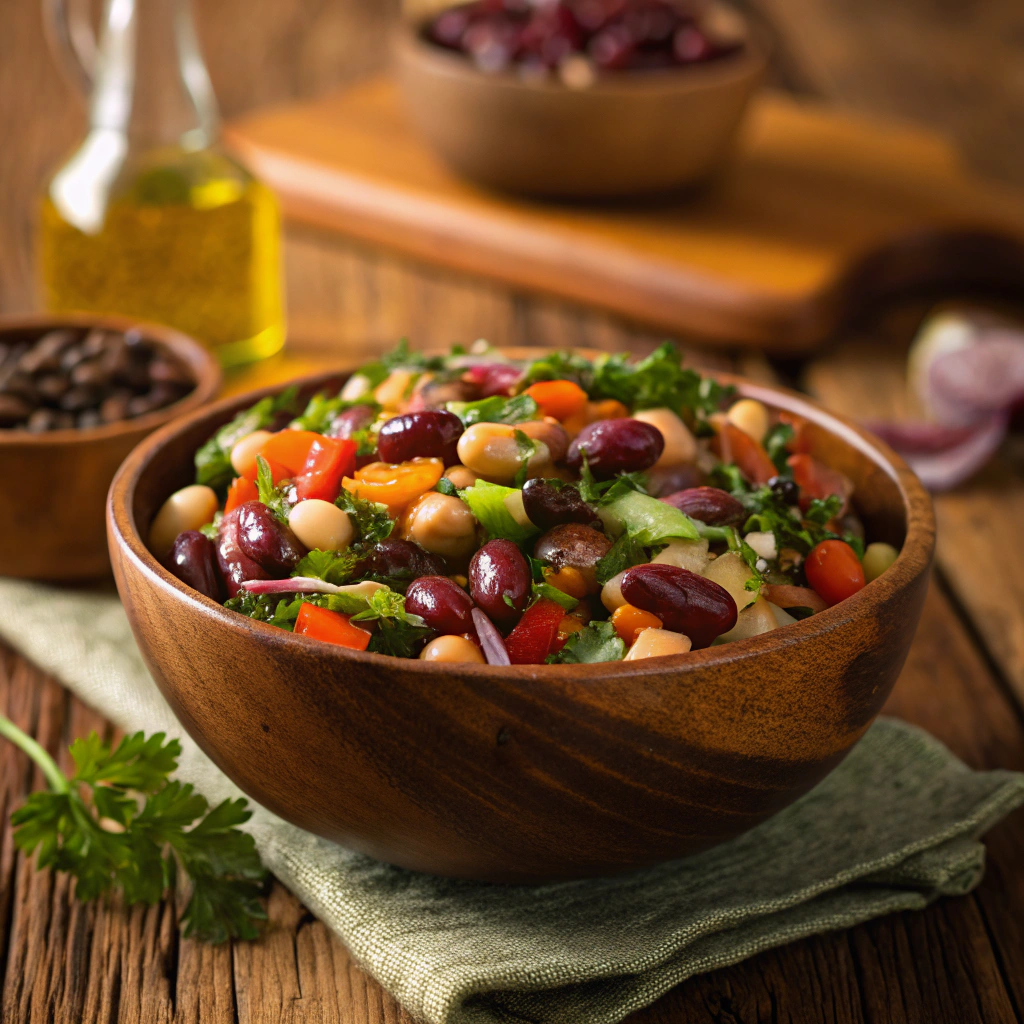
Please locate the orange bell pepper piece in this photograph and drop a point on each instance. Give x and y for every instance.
(395, 484)
(331, 627)
(242, 489)
(558, 398)
(289, 449)
(629, 622)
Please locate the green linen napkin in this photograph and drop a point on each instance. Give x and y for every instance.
(893, 828)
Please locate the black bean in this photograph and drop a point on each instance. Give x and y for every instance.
(13, 410)
(52, 386)
(78, 398)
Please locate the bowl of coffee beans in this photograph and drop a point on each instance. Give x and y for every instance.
(77, 393)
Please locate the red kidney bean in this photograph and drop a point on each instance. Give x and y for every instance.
(235, 566)
(431, 433)
(267, 541)
(402, 560)
(442, 604)
(346, 423)
(685, 602)
(668, 480)
(710, 505)
(616, 446)
(576, 546)
(494, 378)
(551, 503)
(499, 571)
(193, 560)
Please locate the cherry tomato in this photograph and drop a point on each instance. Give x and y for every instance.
(834, 571)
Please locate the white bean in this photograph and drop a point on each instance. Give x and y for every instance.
(187, 509)
(750, 416)
(492, 451)
(392, 391)
(243, 454)
(611, 593)
(320, 524)
(452, 649)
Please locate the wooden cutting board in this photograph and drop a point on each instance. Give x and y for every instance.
(818, 213)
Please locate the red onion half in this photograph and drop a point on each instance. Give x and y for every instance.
(491, 642)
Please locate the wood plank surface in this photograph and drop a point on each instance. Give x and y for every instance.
(957, 68)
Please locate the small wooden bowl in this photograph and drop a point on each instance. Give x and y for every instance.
(526, 774)
(634, 133)
(55, 484)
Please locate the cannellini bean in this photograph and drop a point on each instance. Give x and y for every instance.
(687, 554)
(187, 509)
(750, 416)
(356, 387)
(763, 544)
(441, 524)
(321, 524)
(611, 593)
(243, 454)
(391, 392)
(656, 643)
(461, 477)
(492, 451)
(452, 649)
(680, 444)
(548, 432)
(877, 558)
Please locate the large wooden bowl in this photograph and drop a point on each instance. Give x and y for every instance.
(526, 773)
(53, 495)
(631, 134)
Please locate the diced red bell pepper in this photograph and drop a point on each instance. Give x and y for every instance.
(242, 489)
(736, 446)
(331, 627)
(816, 480)
(801, 439)
(290, 449)
(534, 637)
(329, 461)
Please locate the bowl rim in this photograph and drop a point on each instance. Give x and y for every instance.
(202, 364)
(749, 62)
(914, 559)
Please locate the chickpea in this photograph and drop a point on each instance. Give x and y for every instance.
(356, 387)
(441, 524)
(321, 524)
(392, 391)
(452, 649)
(549, 432)
(492, 451)
(187, 509)
(461, 477)
(243, 454)
(611, 593)
(750, 416)
(680, 444)
(656, 643)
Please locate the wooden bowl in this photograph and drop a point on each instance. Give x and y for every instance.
(638, 132)
(533, 773)
(53, 498)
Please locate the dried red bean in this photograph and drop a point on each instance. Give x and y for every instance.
(499, 581)
(267, 541)
(236, 567)
(353, 419)
(710, 505)
(193, 560)
(431, 433)
(616, 446)
(685, 602)
(551, 503)
(400, 560)
(442, 604)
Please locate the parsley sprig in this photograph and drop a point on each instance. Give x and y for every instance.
(120, 823)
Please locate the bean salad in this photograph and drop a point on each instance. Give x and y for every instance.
(471, 508)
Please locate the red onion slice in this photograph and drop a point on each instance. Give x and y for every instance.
(308, 585)
(491, 642)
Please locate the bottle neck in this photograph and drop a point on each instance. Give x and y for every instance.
(151, 83)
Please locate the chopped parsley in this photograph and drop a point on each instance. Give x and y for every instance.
(370, 518)
(496, 409)
(596, 642)
(271, 496)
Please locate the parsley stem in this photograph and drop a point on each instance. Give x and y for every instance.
(56, 778)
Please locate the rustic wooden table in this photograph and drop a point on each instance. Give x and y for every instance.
(961, 960)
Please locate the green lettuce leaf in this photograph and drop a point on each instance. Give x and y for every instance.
(487, 502)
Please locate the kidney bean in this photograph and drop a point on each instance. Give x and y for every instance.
(346, 423)
(575, 546)
(710, 505)
(401, 559)
(661, 482)
(550, 503)
(235, 565)
(267, 541)
(442, 603)
(616, 446)
(499, 571)
(494, 378)
(431, 433)
(685, 602)
(193, 560)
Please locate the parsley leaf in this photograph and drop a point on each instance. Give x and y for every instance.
(271, 496)
(496, 409)
(129, 785)
(399, 633)
(445, 486)
(775, 442)
(321, 411)
(527, 448)
(370, 518)
(560, 366)
(331, 566)
(626, 552)
(273, 608)
(596, 642)
(211, 530)
(213, 459)
(604, 492)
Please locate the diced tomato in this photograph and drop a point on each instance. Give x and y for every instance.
(242, 489)
(533, 639)
(290, 449)
(816, 480)
(329, 461)
(800, 441)
(331, 627)
(558, 398)
(834, 570)
(734, 445)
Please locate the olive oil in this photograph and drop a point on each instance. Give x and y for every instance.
(189, 239)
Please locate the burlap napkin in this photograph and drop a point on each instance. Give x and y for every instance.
(893, 828)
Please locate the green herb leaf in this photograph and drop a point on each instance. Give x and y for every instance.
(822, 512)
(775, 442)
(273, 608)
(496, 409)
(271, 496)
(330, 566)
(604, 492)
(399, 633)
(321, 410)
(487, 502)
(647, 520)
(370, 518)
(547, 591)
(560, 366)
(212, 530)
(596, 642)
(624, 554)
(527, 448)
